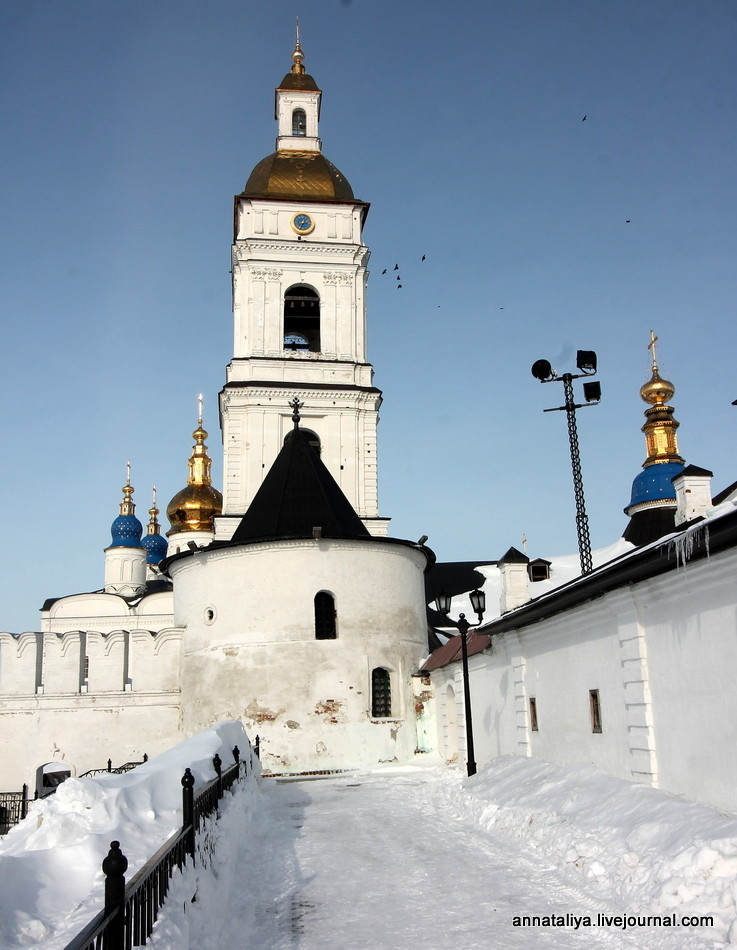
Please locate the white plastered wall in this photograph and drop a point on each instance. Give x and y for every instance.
(251, 652)
(663, 656)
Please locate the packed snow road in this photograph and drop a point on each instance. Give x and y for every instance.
(387, 861)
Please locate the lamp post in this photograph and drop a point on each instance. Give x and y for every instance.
(542, 370)
(478, 602)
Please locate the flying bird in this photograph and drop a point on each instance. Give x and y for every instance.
(584, 118)
(399, 286)
(628, 221)
(423, 257)
(396, 267)
(384, 271)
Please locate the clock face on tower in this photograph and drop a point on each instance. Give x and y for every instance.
(302, 223)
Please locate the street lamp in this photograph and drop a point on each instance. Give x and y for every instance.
(478, 602)
(542, 370)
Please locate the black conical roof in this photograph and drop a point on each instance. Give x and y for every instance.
(298, 495)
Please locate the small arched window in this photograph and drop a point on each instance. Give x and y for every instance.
(50, 776)
(381, 693)
(299, 122)
(324, 616)
(302, 319)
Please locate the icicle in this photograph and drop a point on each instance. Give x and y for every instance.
(683, 546)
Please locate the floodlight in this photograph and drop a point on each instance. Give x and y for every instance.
(542, 370)
(586, 361)
(592, 391)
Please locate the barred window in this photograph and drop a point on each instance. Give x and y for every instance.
(381, 694)
(299, 122)
(324, 616)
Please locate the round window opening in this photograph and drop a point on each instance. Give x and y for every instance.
(209, 615)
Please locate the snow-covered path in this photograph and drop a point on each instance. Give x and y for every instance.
(386, 861)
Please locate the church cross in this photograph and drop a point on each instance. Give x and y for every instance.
(295, 405)
(651, 347)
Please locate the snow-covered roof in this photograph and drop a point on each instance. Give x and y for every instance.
(697, 539)
(614, 565)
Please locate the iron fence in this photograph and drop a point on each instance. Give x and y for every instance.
(131, 910)
(14, 805)
(13, 808)
(118, 770)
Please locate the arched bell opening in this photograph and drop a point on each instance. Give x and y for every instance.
(302, 319)
(299, 122)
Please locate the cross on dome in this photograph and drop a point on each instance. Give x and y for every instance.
(297, 55)
(651, 347)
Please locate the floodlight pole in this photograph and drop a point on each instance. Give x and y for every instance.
(582, 521)
(543, 371)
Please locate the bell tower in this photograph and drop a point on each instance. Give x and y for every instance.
(299, 313)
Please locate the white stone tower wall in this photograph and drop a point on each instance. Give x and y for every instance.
(251, 651)
(335, 384)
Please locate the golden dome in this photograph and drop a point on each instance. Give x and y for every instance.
(194, 507)
(298, 175)
(657, 391)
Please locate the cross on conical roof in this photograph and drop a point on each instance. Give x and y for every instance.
(298, 495)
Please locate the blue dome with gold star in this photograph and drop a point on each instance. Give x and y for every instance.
(126, 530)
(655, 483)
(155, 546)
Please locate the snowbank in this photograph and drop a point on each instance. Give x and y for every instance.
(217, 880)
(659, 854)
(51, 883)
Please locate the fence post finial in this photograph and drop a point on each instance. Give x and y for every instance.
(114, 867)
(188, 810)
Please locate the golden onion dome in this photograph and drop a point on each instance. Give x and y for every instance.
(195, 506)
(657, 391)
(289, 174)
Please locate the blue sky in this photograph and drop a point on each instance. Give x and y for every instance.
(128, 127)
